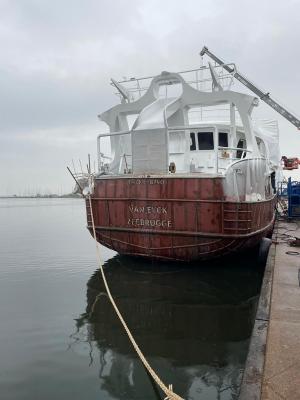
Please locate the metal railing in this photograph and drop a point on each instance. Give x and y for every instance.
(102, 165)
(199, 78)
(125, 159)
(228, 154)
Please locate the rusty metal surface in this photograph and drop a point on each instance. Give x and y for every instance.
(178, 218)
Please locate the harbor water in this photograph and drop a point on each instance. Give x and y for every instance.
(60, 338)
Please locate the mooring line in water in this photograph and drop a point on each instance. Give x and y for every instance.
(167, 390)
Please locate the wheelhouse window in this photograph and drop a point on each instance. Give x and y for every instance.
(240, 145)
(206, 140)
(223, 139)
(193, 141)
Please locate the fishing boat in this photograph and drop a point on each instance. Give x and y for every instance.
(184, 172)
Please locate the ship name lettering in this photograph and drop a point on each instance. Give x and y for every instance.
(146, 181)
(147, 209)
(149, 222)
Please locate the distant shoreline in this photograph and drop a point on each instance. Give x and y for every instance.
(50, 196)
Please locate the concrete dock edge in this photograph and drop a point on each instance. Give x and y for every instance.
(251, 386)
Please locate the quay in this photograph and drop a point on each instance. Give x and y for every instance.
(272, 369)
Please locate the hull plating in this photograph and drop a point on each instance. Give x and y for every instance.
(175, 218)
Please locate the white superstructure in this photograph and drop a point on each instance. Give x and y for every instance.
(175, 126)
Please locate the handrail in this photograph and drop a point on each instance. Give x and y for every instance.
(117, 133)
(202, 68)
(186, 127)
(102, 156)
(234, 148)
(205, 124)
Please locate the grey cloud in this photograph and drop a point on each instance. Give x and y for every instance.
(57, 58)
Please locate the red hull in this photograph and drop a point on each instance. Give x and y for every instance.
(175, 218)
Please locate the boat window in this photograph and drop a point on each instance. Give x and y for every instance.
(206, 140)
(240, 145)
(177, 142)
(223, 139)
(193, 141)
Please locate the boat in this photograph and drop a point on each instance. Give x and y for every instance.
(184, 172)
(290, 163)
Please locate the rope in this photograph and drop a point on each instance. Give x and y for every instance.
(167, 390)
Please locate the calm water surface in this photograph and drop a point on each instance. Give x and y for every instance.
(60, 339)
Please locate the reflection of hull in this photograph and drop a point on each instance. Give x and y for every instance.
(175, 218)
(193, 325)
(177, 333)
(181, 307)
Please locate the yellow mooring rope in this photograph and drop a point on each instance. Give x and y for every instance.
(167, 390)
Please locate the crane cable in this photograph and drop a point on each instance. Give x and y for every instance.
(167, 390)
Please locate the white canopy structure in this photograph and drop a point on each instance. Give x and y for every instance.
(177, 127)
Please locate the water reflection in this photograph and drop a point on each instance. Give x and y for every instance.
(193, 325)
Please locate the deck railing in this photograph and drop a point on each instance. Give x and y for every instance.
(199, 78)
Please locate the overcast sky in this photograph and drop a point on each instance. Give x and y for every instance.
(57, 58)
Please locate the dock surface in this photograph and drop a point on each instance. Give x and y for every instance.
(281, 376)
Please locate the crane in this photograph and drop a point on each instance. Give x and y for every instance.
(260, 93)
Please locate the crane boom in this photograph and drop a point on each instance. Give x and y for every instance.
(261, 94)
